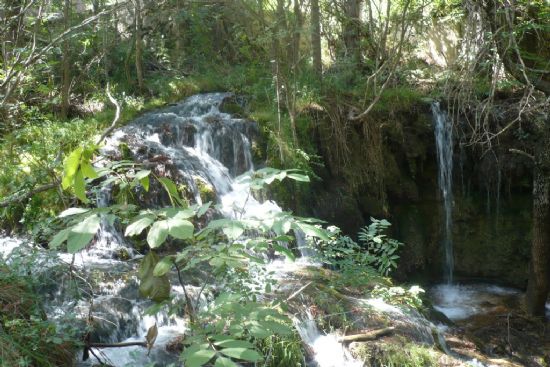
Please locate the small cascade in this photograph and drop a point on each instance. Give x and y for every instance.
(327, 351)
(444, 143)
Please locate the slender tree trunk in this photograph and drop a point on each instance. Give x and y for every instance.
(316, 38)
(139, 46)
(539, 269)
(352, 30)
(178, 49)
(66, 77)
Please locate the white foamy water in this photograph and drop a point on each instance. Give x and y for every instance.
(327, 351)
(459, 302)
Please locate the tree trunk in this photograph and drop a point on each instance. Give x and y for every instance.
(178, 47)
(316, 38)
(66, 78)
(139, 47)
(539, 269)
(352, 30)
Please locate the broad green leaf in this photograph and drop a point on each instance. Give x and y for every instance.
(80, 187)
(142, 174)
(233, 230)
(172, 190)
(145, 183)
(180, 228)
(245, 354)
(183, 213)
(81, 234)
(143, 178)
(258, 331)
(202, 210)
(59, 238)
(157, 234)
(155, 288)
(163, 266)
(88, 170)
(311, 230)
(72, 211)
(70, 167)
(225, 362)
(233, 343)
(199, 358)
(136, 227)
(285, 251)
(282, 226)
(277, 328)
(298, 177)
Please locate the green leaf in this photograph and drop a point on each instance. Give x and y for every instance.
(155, 288)
(163, 266)
(88, 170)
(183, 213)
(158, 233)
(282, 226)
(284, 251)
(80, 187)
(59, 238)
(312, 231)
(199, 358)
(246, 354)
(81, 234)
(233, 230)
(202, 210)
(136, 227)
(233, 343)
(70, 167)
(172, 190)
(225, 362)
(180, 228)
(72, 211)
(143, 178)
(298, 177)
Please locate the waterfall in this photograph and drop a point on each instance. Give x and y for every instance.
(444, 143)
(199, 146)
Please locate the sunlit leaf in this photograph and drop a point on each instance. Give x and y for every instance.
(245, 354)
(158, 233)
(163, 266)
(180, 228)
(72, 211)
(136, 227)
(225, 362)
(81, 234)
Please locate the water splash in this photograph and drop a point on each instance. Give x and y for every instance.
(444, 143)
(327, 351)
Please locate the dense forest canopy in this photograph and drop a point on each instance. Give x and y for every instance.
(338, 90)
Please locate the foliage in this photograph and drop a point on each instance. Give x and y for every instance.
(374, 253)
(26, 336)
(227, 329)
(381, 248)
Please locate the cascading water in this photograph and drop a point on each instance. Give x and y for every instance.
(444, 143)
(195, 143)
(209, 147)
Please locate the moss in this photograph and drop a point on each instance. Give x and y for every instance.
(125, 151)
(395, 355)
(206, 191)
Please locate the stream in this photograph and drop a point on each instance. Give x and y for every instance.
(209, 148)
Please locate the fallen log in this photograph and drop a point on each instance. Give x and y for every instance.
(367, 336)
(117, 345)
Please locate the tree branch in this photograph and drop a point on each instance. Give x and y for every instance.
(19, 198)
